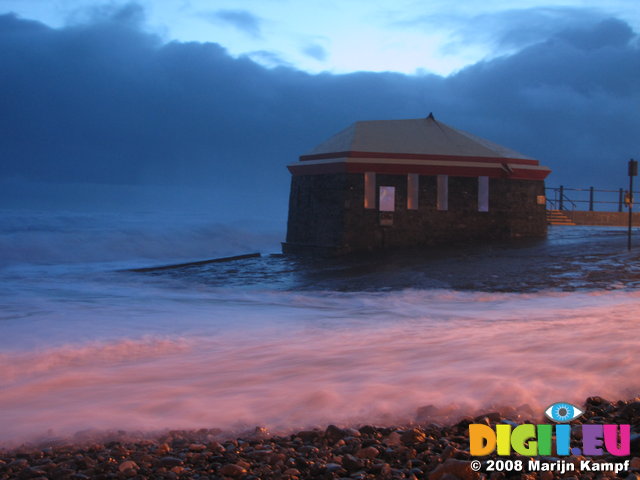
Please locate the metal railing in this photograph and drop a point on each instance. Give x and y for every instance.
(565, 198)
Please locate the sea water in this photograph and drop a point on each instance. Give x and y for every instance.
(289, 343)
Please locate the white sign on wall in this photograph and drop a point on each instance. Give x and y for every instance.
(387, 199)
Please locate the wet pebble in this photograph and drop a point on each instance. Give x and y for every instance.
(170, 462)
(232, 470)
(413, 436)
(367, 452)
(128, 465)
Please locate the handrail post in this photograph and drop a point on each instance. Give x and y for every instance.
(561, 206)
(591, 199)
(620, 199)
(633, 171)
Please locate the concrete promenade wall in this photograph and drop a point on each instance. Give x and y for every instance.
(613, 219)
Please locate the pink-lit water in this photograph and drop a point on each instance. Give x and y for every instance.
(84, 347)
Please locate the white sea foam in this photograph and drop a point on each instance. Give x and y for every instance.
(285, 360)
(82, 346)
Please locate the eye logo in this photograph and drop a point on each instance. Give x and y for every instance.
(562, 412)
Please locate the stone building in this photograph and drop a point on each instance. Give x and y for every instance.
(408, 183)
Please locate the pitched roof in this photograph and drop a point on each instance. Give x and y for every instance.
(419, 136)
(422, 146)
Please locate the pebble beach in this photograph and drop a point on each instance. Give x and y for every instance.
(420, 451)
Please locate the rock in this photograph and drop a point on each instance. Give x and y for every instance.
(448, 452)
(509, 412)
(292, 472)
(546, 475)
(277, 458)
(449, 476)
(334, 468)
(413, 436)
(351, 463)
(232, 470)
(381, 470)
(170, 462)
(635, 463)
(368, 430)
(128, 465)
(333, 434)
(34, 472)
(215, 447)
(509, 422)
(367, 452)
(458, 468)
(393, 439)
(494, 417)
(261, 432)
(597, 401)
(309, 436)
(464, 423)
(80, 476)
(18, 464)
(163, 449)
(62, 472)
(308, 450)
(631, 410)
(197, 447)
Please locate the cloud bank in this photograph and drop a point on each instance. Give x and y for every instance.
(106, 102)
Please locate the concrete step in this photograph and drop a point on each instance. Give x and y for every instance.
(558, 217)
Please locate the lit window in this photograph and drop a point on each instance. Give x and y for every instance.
(483, 194)
(387, 199)
(413, 180)
(443, 192)
(370, 190)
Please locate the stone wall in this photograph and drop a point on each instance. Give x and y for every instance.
(316, 210)
(328, 211)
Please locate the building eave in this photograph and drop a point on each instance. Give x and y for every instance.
(415, 156)
(464, 167)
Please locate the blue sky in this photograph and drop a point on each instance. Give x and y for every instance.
(223, 95)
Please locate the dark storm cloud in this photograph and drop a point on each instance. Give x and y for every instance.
(607, 33)
(241, 19)
(573, 98)
(106, 102)
(507, 29)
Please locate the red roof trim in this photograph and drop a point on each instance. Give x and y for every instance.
(301, 169)
(394, 169)
(418, 156)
